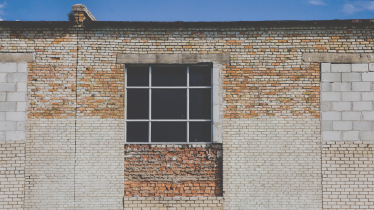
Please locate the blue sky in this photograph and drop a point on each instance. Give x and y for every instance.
(189, 10)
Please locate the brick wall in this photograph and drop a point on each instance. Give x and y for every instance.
(168, 171)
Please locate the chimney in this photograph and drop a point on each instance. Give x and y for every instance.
(82, 14)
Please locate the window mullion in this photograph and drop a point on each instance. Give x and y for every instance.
(150, 105)
(188, 104)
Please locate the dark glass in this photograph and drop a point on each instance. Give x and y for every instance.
(169, 104)
(200, 76)
(200, 104)
(200, 132)
(137, 132)
(169, 132)
(169, 76)
(137, 103)
(138, 76)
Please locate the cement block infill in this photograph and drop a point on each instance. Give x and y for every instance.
(351, 115)
(341, 86)
(360, 67)
(17, 77)
(351, 96)
(7, 106)
(361, 86)
(351, 77)
(331, 77)
(326, 67)
(16, 96)
(8, 67)
(6, 87)
(368, 76)
(340, 67)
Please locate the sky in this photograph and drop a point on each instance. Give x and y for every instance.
(189, 10)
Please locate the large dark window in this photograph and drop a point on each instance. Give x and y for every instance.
(168, 104)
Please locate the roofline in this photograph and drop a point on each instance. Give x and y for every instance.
(277, 23)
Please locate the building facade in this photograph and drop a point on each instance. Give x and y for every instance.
(290, 115)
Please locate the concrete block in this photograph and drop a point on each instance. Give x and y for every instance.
(326, 86)
(331, 77)
(331, 96)
(368, 115)
(2, 116)
(331, 116)
(22, 86)
(21, 106)
(8, 126)
(361, 86)
(17, 77)
(326, 125)
(351, 77)
(341, 106)
(362, 106)
(2, 96)
(8, 67)
(351, 96)
(21, 67)
(371, 66)
(16, 96)
(3, 77)
(331, 135)
(367, 135)
(342, 125)
(7, 106)
(2, 135)
(362, 125)
(340, 67)
(351, 115)
(360, 67)
(21, 126)
(368, 76)
(16, 116)
(6, 87)
(368, 96)
(341, 86)
(15, 135)
(325, 67)
(350, 135)
(326, 106)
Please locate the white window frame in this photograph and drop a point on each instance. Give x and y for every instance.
(187, 120)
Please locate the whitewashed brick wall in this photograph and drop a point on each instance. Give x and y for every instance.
(272, 163)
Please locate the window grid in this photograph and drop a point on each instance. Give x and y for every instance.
(150, 120)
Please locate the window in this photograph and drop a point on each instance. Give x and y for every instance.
(168, 104)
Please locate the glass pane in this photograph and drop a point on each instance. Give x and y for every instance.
(137, 103)
(169, 76)
(137, 132)
(200, 76)
(138, 76)
(169, 104)
(200, 132)
(200, 104)
(169, 132)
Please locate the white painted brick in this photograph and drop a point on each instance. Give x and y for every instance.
(331, 116)
(351, 115)
(326, 106)
(340, 67)
(8, 67)
(361, 86)
(368, 96)
(3, 77)
(15, 135)
(7, 106)
(16, 96)
(16, 116)
(17, 77)
(368, 76)
(7, 87)
(351, 77)
(362, 125)
(325, 67)
(362, 106)
(331, 135)
(360, 67)
(326, 86)
(21, 67)
(367, 135)
(368, 115)
(7, 126)
(331, 96)
(351, 96)
(341, 106)
(350, 135)
(342, 125)
(341, 86)
(371, 66)
(331, 77)
(21, 106)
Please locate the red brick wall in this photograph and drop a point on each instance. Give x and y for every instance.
(180, 170)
